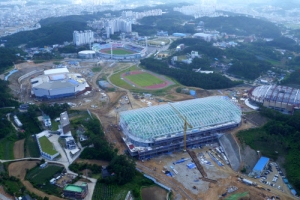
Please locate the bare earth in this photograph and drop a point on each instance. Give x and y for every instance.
(154, 193)
(18, 169)
(19, 149)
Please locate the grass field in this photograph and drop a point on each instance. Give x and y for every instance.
(119, 51)
(96, 69)
(6, 148)
(116, 79)
(40, 178)
(237, 196)
(144, 79)
(47, 146)
(32, 149)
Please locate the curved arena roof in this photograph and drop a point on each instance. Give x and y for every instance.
(155, 122)
(276, 93)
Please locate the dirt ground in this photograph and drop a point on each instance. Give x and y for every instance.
(212, 191)
(5, 194)
(18, 169)
(19, 149)
(154, 193)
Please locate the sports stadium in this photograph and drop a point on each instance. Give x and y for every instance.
(119, 51)
(58, 83)
(281, 98)
(158, 129)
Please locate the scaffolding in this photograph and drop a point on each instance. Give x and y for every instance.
(160, 122)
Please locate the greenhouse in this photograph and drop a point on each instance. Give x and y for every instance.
(148, 127)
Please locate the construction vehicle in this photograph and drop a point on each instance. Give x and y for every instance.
(185, 126)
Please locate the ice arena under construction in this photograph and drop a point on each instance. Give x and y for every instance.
(281, 98)
(58, 83)
(156, 130)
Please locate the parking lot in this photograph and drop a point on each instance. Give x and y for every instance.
(273, 176)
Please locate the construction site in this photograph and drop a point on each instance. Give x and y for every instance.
(185, 143)
(159, 129)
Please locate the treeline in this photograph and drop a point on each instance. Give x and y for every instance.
(52, 33)
(241, 25)
(54, 110)
(121, 167)
(293, 78)
(246, 64)
(284, 43)
(9, 57)
(248, 61)
(187, 77)
(6, 98)
(280, 137)
(171, 21)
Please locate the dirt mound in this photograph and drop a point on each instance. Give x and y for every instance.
(19, 149)
(203, 93)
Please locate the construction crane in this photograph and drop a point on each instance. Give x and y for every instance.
(185, 126)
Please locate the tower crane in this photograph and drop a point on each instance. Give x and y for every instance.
(185, 126)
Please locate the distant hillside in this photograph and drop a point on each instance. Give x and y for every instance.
(241, 25)
(52, 33)
(171, 22)
(293, 78)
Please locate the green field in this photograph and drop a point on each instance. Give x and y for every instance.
(41, 177)
(144, 79)
(47, 146)
(31, 147)
(237, 196)
(119, 51)
(6, 148)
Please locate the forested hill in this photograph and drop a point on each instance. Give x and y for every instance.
(279, 138)
(54, 33)
(240, 25)
(187, 77)
(171, 21)
(293, 78)
(8, 57)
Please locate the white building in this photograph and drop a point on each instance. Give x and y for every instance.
(83, 37)
(58, 83)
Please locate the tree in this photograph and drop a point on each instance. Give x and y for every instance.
(123, 169)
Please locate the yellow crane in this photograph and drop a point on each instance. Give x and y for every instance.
(185, 126)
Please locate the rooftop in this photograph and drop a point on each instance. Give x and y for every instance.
(161, 121)
(261, 164)
(73, 188)
(47, 146)
(276, 93)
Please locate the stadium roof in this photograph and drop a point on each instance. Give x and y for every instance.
(56, 71)
(276, 93)
(160, 121)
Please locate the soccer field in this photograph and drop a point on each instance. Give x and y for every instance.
(119, 51)
(144, 79)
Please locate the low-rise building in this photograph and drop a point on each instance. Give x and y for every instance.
(76, 191)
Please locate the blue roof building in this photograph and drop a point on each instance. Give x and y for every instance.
(260, 165)
(179, 35)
